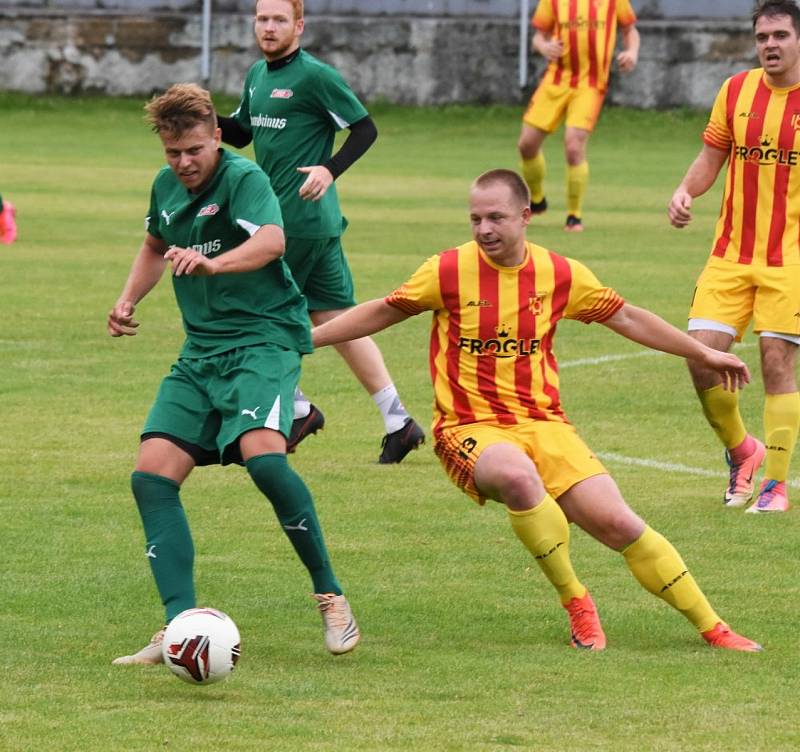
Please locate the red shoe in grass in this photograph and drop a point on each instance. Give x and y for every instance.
(722, 636)
(584, 622)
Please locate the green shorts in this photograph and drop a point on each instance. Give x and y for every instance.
(321, 272)
(208, 403)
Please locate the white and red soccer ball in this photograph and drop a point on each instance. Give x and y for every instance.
(201, 645)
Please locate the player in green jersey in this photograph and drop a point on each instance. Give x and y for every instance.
(292, 106)
(215, 220)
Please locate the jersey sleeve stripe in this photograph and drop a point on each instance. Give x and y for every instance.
(402, 304)
(716, 138)
(608, 306)
(341, 123)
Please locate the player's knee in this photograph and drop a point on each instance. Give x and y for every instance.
(575, 154)
(527, 150)
(622, 527)
(530, 142)
(518, 487)
(778, 366)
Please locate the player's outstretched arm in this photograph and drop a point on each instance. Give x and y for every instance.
(698, 179)
(650, 330)
(264, 246)
(148, 266)
(361, 321)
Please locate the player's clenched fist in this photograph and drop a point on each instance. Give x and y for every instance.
(120, 320)
(680, 209)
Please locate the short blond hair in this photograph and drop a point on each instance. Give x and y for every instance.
(181, 108)
(509, 178)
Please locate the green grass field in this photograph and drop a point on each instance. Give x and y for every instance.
(465, 646)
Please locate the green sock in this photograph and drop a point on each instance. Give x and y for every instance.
(294, 508)
(169, 546)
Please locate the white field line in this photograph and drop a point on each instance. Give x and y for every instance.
(667, 467)
(606, 359)
(599, 360)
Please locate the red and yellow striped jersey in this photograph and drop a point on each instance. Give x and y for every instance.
(491, 349)
(759, 221)
(588, 30)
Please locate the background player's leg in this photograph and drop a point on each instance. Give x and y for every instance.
(575, 142)
(365, 360)
(781, 420)
(534, 167)
(744, 453)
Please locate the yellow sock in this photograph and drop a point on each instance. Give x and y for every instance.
(544, 531)
(721, 409)
(577, 180)
(660, 570)
(534, 171)
(781, 423)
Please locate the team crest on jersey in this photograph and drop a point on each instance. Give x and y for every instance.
(208, 211)
(796, 121)
(281, 94)
(536, 303)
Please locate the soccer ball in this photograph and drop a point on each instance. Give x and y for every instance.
(201, 645)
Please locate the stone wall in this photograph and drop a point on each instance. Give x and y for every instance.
(404, 59)
(645, 9)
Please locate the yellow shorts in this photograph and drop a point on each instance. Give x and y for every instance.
(733, 294)
(556, 450)
(550, 103)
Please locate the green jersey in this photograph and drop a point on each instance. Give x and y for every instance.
(226, 311)
(293, 108)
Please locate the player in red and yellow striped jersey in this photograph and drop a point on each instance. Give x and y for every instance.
(500, 430)
(578, 38)
(753, 272)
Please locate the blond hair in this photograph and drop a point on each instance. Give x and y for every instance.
(181, 108)
(509, 178)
